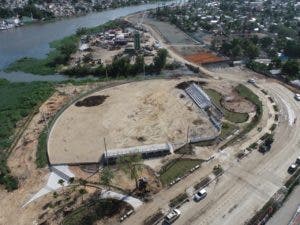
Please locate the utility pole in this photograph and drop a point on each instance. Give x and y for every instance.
(144, 67)
(187, 134)
(105, 151)
(106, 73)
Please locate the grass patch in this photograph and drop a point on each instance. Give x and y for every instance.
(178, 199)
(31, 65)
(229, 115)
(227, 130)
(18, 100)
(250, 96)
(177, 168)
(41, 153)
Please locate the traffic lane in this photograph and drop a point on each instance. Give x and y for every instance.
(287, 211)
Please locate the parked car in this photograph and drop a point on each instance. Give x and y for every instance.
(172, 216)
(292, 168)
(199, 195)
(251, 81)
(297, 97)
(298, 160)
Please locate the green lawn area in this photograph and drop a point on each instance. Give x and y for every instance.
(229, 115)
(17, 101)
(227, 129)
(177, 168)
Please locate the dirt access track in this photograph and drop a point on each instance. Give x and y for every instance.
(132, 114)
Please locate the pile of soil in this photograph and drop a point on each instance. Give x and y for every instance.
(92, 101)
(185, 84)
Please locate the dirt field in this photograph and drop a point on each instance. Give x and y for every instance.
(134, 114)
(203, 57)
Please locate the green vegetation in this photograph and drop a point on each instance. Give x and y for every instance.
(178, 199)
(31, 65)
(93, 211)
(218, 170)
(229, 115)
(250, 96)
(131, 165)
(240, 47)
(41, 153)
(106, 177)
(290, 68)
(28, 10)
(62, 50)
(121, 66)
(17, 101)
(177, 168)
(227, 130)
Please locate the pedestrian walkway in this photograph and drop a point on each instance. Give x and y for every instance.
(134, 202)
(53, 182)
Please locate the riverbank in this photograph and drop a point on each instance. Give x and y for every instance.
(33, 40)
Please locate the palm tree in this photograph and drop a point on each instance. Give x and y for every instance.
(61, 182)
(131, 165)
(106, 177)
(82, 191)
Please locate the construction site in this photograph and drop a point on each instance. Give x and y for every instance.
(151, 114)
(229, 133)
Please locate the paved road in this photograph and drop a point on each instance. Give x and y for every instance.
(287, 211)
(246, 186)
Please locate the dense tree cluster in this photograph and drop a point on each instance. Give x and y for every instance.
(121, 67)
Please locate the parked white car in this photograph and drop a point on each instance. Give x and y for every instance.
(172, 216)
(297, 97)
(199, 195)
(251, 81)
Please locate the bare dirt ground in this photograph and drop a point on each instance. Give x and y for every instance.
(134, 114)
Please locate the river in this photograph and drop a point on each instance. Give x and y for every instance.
(33, 40)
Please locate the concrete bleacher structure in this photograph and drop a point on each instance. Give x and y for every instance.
(199, 96)
(204, 102)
